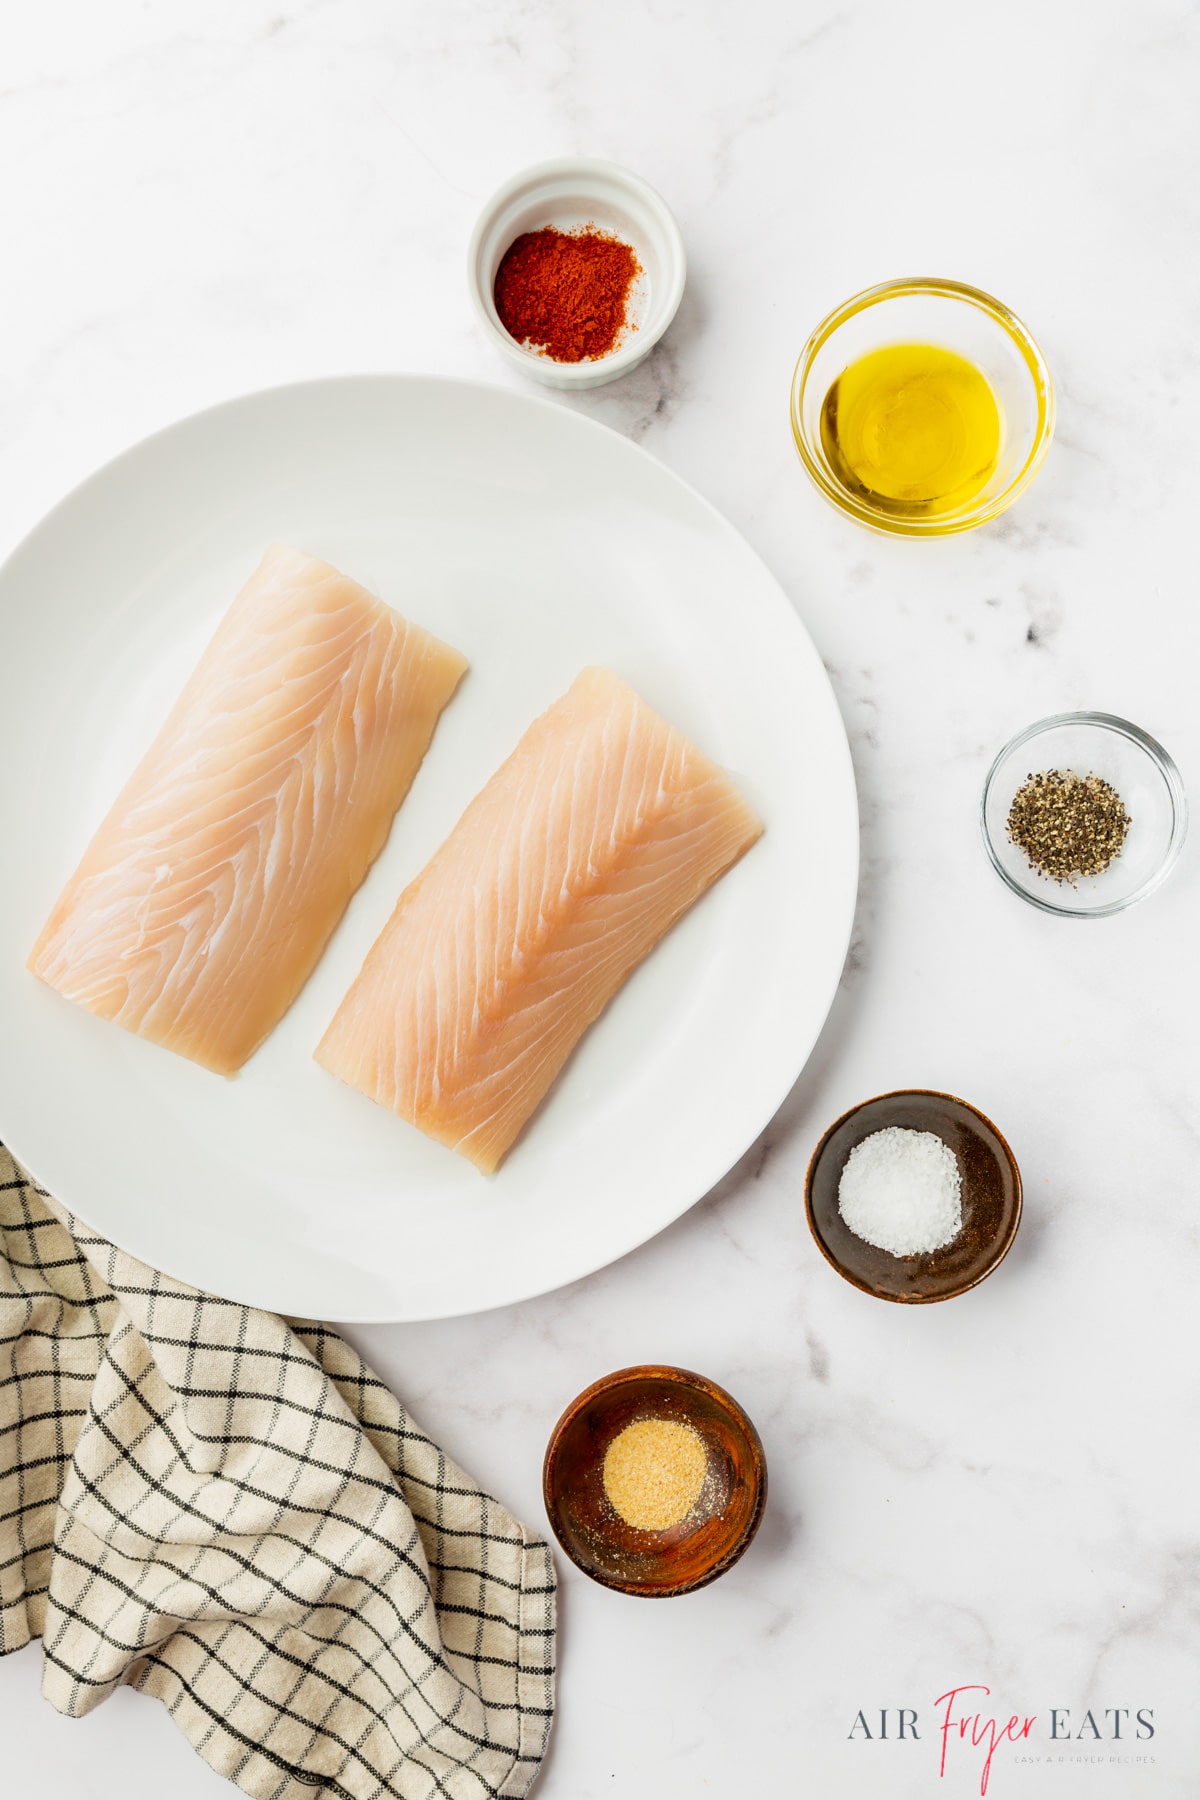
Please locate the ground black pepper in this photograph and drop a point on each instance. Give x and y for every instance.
(1068, 825)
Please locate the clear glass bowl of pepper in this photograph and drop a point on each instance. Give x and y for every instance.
(1083, 814)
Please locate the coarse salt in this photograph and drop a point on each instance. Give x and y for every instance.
(901, 1191)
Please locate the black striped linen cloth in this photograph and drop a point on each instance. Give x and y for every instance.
(231, 1513)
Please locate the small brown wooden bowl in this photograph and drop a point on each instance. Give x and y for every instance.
(655, 1564)
(991, 1199)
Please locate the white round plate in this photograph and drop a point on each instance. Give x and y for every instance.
(537, 542)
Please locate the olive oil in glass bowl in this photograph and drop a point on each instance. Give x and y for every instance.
(922, 407)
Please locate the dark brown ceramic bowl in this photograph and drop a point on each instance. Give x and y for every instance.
(655, 1564)
(991, 1198)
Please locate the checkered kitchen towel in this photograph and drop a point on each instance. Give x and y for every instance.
(234, 1515)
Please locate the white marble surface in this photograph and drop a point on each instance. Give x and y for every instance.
(200, 198)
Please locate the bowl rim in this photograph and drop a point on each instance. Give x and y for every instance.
(1172, 780)
(673, 1375)
(588, 373)
(1035, 363)
(1003, 1244)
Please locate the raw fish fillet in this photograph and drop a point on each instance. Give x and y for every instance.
(206, 897)
(603, 826)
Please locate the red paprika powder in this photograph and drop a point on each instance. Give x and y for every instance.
(566, 291)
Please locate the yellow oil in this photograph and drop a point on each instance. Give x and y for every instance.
(912, 429)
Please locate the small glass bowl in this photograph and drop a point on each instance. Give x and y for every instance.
(925, 310)
(1131, 762)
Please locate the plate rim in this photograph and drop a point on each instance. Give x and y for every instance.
(366, 380)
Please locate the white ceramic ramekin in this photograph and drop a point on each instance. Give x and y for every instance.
(567, 193)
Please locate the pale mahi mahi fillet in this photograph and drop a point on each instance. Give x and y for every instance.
(207, 895)
(603, 826)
